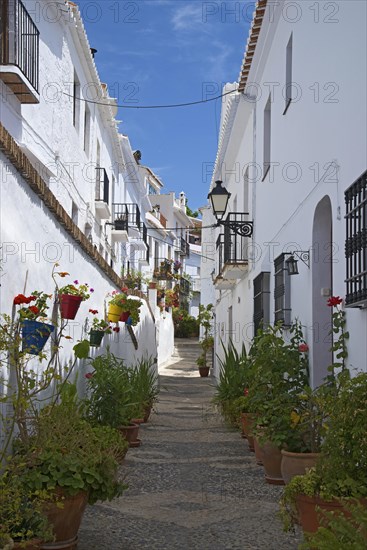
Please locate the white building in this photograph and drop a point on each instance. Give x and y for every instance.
(65, 179)
(292, 153)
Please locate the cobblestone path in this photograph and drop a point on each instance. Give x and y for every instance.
(193, 484)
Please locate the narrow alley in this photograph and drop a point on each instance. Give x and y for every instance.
(193, 483)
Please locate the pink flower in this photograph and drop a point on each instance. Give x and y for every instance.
(89, 375)
(303, 348)
(91, 290)
(76, 282)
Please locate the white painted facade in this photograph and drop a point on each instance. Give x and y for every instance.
(317, 150)
(66, 140)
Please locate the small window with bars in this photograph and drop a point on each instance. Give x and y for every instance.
(282, 294)
(356, 243)
(261, 301)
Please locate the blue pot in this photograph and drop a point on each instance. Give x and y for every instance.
(35, 336)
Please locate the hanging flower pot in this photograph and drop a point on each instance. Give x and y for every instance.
(69, 305)
(96, 337)
(35, 336)
(114, 313)
(124, 316)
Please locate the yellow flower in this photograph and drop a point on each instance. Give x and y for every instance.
(295, 418)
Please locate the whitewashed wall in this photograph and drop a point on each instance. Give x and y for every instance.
(318, 149)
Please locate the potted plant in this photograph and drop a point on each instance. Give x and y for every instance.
(71, 295)
(203, 367)
(35, 331)
(115, 306)
(132, 279)
(69, 459)
(99, 328)
(130, 310)
(340, 473)
(23, 522)
(144, 382)
(177, 266)
(280, 371)
(110, 400)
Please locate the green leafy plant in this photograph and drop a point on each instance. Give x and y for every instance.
(21, 510)
(339, 334)
(185, 325)
(235, 375)
(117, 298)
(67, 452)
(111, 400)
(340, 531)
(99, 324)
(280, 374)
(144, 382)
(38, 310)
(133, 306)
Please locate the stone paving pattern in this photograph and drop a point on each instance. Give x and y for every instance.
(193, 483)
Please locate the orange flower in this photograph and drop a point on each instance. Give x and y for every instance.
(63, 273)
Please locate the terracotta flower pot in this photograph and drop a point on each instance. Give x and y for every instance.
(247, 420)
(272, 458)
(124, 316)
(33, 544)
(114, 313)
(65, 521)
(296, 464)
(258, 453)
(309, 518)
(204, 371)
(130, 433)
(69, 305)
(147, 411)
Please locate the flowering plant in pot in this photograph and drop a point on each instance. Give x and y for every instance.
(341, 471)
(177, 266)
(280, 372)
(99, 328)
(71, 295)
(115, 305)
(131, 308)
(35, 331)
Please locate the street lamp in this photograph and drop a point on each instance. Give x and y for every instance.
(219, 198)
(292, 264)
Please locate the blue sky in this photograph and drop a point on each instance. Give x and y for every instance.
(170, 51)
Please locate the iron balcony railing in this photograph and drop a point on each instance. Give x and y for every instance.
(102, 185)
(131, 212)
(184, 247)
(220, 254)
(185, 286)
(235, 243)
(145, 234)
(19, 40)
(356, 242)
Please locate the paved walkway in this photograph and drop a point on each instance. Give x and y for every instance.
(193, 484)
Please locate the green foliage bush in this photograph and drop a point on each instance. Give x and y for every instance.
(185, 325)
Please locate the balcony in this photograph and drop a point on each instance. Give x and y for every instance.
(164, 271)
(185, 286)
(221, 282)
(102, 194)
(184, 247)
(234, 248)
(120, 223)
(19, 51)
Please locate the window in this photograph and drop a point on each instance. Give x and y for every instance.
(261, 300)
(356, 242)
(76, 102)
(267, 135)
(151, 190)
(282, 309)
(87, 123)
(288, 74)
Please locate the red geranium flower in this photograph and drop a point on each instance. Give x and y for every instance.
(89, 375)
(303, 348)
(334, 301)
(93, 311)
(34, 309)
(245, 391)
(116, 329)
